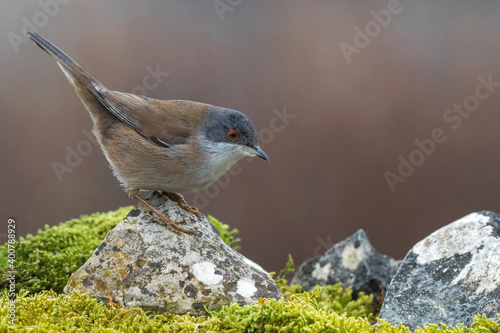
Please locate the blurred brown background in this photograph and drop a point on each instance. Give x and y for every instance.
(352, 119)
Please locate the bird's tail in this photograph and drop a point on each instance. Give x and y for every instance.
(77, 76)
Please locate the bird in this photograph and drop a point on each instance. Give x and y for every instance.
(170, 146)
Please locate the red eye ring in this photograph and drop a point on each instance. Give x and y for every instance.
(233, 135)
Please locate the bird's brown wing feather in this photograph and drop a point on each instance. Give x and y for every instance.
(153, 122)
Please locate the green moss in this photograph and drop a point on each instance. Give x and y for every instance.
(337, 299)
(50, 312)
(46, 261)
(295, 313)
(281, 279)
(225, 234)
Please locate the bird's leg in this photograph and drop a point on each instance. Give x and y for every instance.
(181, 202)
(162, 218)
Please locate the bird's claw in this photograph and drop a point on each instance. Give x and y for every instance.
(179, 199)
(174, 226)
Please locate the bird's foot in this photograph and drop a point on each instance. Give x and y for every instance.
(174, 226)
(179, 199)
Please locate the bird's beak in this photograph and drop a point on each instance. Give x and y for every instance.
(259, 152)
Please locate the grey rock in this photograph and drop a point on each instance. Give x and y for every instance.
(354, 262)
(144, 264)
(449, 276)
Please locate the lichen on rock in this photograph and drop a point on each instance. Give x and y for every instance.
(449, 276)
(353, 262)
(144, 264)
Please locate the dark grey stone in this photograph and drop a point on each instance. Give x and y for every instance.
(144, 264)
(354, 262)
(450, 276)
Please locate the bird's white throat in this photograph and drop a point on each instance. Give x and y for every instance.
(220, 157)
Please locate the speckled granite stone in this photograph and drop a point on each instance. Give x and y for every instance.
(144, 264)
(449, 276)
(354, 262)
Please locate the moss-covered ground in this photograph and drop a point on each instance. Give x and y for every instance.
(44, 263)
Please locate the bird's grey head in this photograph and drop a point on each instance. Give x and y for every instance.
(232, 132)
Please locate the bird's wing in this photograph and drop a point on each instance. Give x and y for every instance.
(156, 125)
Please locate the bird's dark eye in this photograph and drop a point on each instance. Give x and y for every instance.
(233, 135)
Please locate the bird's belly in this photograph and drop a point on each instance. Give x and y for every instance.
(177, 171)
(208, 173)
(173, 179)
